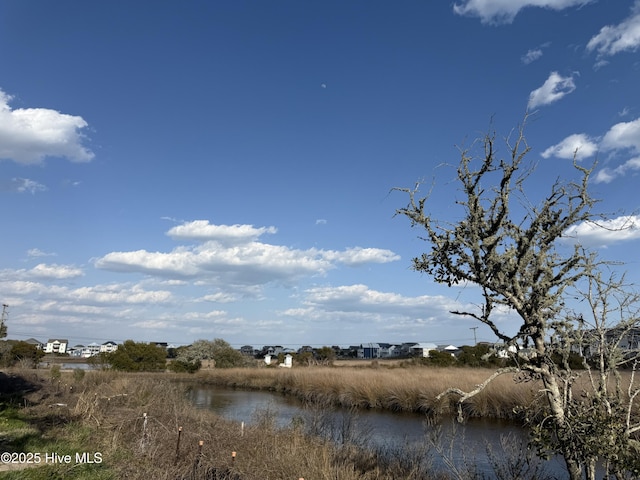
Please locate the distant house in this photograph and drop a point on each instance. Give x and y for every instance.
(423, 349)
(91, 350)
(369, 350)
(626, 340)
(247, 350)
(76, 350)
(36, 343)
(272, 350)
(305, 349)
(389, 350)
(56, 345)
(405, 349)
(108, 347)
(452, 349)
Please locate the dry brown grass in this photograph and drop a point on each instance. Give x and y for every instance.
(134, 419)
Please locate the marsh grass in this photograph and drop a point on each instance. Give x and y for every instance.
(397, 389)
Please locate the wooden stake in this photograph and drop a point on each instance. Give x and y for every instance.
(175, 462)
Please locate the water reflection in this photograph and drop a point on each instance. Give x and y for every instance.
(463, 444)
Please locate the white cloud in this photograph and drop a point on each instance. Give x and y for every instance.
(504, 11)
(623, 135)
(624, 112)
(606, 175)
(236, 258)
(531, 56)
(552, 90)
(392, 315)
(53, 271)
(202, 230)
(43, 271)
(580, 145)
(361, 256)
(606, 232)
(22, 185)
(28, 135)
(219, 297)
(36, 252)
(360, 298)
(153, 324)
(613, 39)
(119, 294)
(24, 284)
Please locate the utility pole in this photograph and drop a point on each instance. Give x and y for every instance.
(475, 340)
(3, 319)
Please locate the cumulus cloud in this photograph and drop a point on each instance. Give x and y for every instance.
(232, 255)
(358, 303)
(504, 11)
(360, 256)
(202, 230)
(43, 271)
(552, 90)
(28, 135)
(621, 138)
(580, 145)
(613, 39)
(53, 271)
(623, 135)
(15, 282)
(606, 232)
(606, 175)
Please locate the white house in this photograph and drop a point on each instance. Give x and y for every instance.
(388, 350)
(451, 349)
(56, 345)
(91, 350)
(75, 351)
(108, 347)
(422, 349)
(288, 361)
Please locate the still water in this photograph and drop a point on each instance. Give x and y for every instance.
(461, 443)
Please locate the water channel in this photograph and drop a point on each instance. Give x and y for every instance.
(375, 428)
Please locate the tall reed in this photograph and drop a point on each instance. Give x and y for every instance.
(398, 389)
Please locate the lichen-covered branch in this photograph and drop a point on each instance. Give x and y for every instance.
(464, 396)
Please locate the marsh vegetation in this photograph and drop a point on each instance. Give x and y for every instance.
(143, 426)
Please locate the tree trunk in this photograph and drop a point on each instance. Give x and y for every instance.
(556, 404)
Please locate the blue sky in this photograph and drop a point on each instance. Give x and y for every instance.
(171, 171)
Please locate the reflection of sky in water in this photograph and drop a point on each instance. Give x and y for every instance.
(380, 427)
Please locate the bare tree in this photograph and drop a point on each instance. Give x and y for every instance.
(511, 249)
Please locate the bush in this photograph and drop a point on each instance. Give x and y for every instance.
(478, 356)
(440, 359)
(138, 357)
(181, 366)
